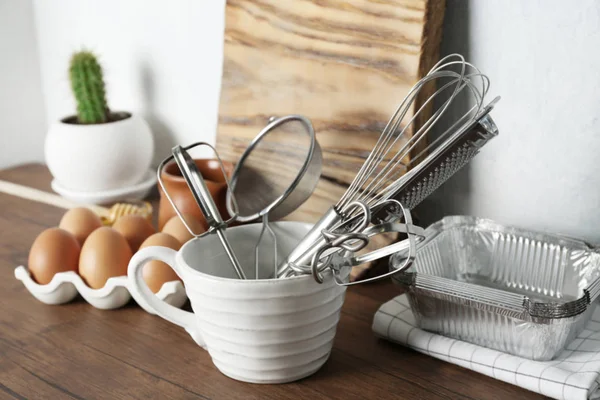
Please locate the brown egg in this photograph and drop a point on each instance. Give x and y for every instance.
(104, 254)
(54, 250)
(135, 229)
(80, 222)
(155, 272)
(175, 227)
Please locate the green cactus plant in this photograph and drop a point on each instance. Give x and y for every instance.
(87, 84)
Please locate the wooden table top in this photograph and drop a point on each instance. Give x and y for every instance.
(77, 351)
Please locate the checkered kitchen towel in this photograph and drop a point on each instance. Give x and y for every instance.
(573, 375)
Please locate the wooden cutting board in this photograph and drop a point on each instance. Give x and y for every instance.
(345, 65)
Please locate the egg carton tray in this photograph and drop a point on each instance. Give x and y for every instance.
(65, 286)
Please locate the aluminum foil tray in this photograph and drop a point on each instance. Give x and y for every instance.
(517, 291)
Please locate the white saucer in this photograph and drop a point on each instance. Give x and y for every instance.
(135, 192)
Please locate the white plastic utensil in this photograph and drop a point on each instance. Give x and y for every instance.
(108, 215)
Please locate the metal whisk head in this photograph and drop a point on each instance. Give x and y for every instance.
(403, 144)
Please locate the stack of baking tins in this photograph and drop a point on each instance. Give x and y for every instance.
(517, 291)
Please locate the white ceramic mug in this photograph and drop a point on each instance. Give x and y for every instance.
(260, 331)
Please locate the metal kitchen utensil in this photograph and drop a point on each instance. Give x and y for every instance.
(277, 172)
(518, 291)
(439, 155)
(200, 192)
(339, 251)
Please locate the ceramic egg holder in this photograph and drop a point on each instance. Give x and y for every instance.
(65, 286)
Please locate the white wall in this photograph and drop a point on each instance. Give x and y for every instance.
(161, 59)
(543, 170)
(22, 119)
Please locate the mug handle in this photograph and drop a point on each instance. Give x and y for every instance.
(148, 300)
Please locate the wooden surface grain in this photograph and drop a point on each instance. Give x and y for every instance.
(74, 351)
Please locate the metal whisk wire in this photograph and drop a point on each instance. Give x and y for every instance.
(371, 186)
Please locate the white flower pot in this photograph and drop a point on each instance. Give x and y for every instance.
(99, 157)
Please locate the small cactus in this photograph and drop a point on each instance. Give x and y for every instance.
(87, 85)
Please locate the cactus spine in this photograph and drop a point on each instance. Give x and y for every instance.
(87, 84)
